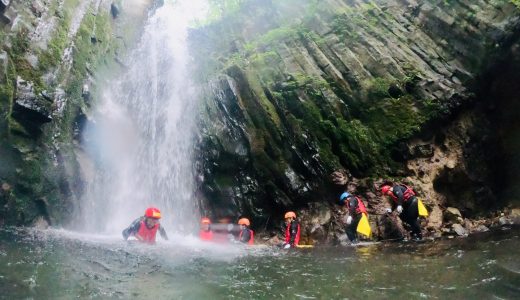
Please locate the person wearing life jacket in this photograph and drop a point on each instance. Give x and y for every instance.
(205, 232)
(246, 235)
(406, 204)
(145, 228)
(356, 209)
(292, 231)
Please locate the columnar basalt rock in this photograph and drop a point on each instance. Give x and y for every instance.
(375, 88)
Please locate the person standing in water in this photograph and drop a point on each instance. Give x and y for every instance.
(205, 232)
(356, 209)
(406, 205)
(145, 228)
(292, 231)
(246, 235)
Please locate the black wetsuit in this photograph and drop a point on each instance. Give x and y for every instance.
(292, 233)
(245, 235)
(351, 229)
(133, 229)
(410, 214)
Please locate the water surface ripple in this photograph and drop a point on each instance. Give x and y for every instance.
(62, 264)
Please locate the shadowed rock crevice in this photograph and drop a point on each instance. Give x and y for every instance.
(502, 143)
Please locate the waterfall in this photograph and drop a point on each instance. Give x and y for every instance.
(141, 137)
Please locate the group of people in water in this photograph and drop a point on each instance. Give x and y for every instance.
(403, 201)
(222, 232)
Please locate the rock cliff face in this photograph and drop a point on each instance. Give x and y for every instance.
(414, 91)
(50, 50)
(303, 99)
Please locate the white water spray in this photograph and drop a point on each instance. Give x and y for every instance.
(142, 134)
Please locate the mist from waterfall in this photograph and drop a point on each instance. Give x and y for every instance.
(141, 135)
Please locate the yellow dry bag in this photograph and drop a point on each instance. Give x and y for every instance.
(304, 246)
(364, 227)
(423, 212)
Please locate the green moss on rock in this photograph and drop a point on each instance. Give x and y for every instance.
(43, 170)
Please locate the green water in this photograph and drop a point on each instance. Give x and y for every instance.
(66, 265)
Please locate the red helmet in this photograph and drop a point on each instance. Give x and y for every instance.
(385, 189)
(243, 221)
(152, 212)
(205, 221)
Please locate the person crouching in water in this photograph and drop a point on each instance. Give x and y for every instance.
(145, 228)
(356, 209)
(292, 231)
(205, 232)
(406, 205)
(246, 235)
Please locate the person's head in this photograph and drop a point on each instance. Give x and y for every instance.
(386, 189)
(244, 222)
(343, 197)
(289, 217)
(152, 216)
(204, 224)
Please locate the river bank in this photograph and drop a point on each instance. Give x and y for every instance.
(324, 223)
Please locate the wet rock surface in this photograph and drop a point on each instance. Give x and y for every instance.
(47, 54)
(392, 89)
(460, 230)
(451, 214)
(31, 108)
(3, 66)
(4, 4)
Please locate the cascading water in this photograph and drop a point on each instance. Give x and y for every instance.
(142, 132)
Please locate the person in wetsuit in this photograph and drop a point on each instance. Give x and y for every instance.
(406, 205)
(246, 235)
(292, 231)
(356, 209)
(145, 228)
(205, 232)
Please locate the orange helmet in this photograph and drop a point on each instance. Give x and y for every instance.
(152, 212)
(205, 221)
(244, 221)
(290, 214)
(385, 189)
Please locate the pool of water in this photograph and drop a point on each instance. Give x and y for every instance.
(60, 264)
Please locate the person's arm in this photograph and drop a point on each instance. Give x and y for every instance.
(294, 232)
(132, 229)
(162, 232)
(287, 236)
(399, 193)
